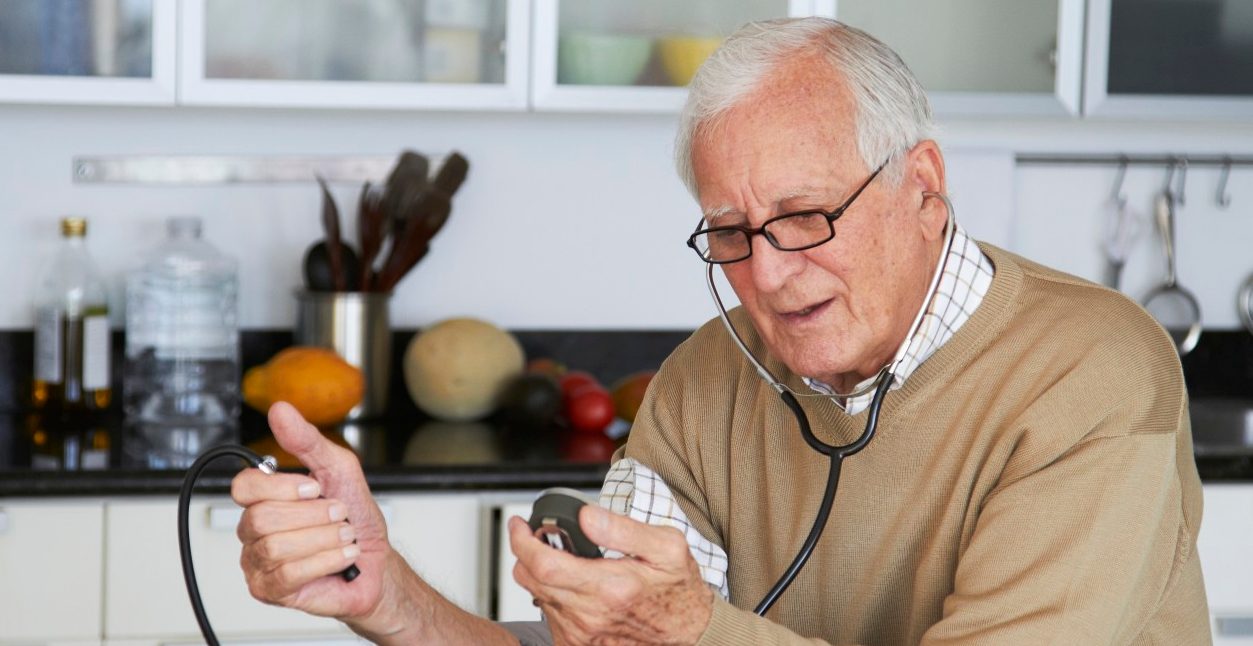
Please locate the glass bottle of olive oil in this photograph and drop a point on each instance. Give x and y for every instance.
(71, 330)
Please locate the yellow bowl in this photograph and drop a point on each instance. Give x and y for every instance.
(681, 56)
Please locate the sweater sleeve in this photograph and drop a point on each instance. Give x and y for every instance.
(1098, 538)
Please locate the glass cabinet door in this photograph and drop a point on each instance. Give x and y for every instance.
(369, 53)
(983, 56)
(613, 55)
(1170, 58)
(87, 51)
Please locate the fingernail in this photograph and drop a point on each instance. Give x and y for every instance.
(346, 534)
(338, 513)
(308, 491)
(351, 551)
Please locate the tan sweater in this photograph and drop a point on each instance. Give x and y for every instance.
(1032, 483)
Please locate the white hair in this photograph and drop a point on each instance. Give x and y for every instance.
(893, 112)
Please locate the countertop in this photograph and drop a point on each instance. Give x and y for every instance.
(407, 451)
(113, 458)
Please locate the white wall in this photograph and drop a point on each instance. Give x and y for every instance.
(566, 221)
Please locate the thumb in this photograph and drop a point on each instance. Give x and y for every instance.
(646, 542)
(303, 440)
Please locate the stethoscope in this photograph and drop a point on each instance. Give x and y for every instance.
(880, 385)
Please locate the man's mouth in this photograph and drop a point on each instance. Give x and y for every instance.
(806, 314)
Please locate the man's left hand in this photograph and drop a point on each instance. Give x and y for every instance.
(653, 595)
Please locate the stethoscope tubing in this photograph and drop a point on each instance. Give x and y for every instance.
(881, 384)
(837, 455)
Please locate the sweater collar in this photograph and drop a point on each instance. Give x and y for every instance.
(968, 275)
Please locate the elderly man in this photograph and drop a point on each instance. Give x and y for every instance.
(1032, 478)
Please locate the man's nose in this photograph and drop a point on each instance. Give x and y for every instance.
(771, 268)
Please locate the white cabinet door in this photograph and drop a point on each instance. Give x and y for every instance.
(611, 56)
(99, 52)
(513, 602)
(1224, 545)
(144, 592)
(380, 54)
(441, 537)
(1169, 59)
(146, 597)
(983, 57)
(50, 570)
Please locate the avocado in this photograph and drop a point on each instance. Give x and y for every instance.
(530, 400)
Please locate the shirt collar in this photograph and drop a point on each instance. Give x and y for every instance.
(966, 279)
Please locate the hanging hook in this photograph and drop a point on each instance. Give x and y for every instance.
(1182, 181)
(1224, 198)
(1117, 196)
(1170, 175)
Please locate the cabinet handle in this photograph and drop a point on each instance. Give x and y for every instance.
(224, 517)
(4, 521)
(1234, 626)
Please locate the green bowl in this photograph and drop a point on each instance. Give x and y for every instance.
(601, 59)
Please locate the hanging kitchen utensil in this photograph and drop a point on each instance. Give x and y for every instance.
(1244, 304)
(423, 219)
(334, 242)
(370, 231)
(1122, 227)
(1173, 306)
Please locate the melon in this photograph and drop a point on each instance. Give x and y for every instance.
(456, 369)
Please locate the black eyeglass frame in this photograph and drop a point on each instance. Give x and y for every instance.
(831, 216)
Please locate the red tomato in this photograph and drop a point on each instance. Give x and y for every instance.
(575, 379)
(589, 408)
(587, 447)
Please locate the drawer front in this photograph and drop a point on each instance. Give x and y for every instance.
(50, 570)
(144, 590)
(1224, 545)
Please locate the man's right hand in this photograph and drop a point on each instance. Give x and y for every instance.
(298, 532)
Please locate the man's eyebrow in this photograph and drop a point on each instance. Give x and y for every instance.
(716, 212)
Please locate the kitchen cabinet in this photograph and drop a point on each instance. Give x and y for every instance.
(982, 57)
(326, 53)
(513, 602)
(604, 55)
(1169, 58)
(87, 51)
(438, 534)
(50, 570)
(1223, 546)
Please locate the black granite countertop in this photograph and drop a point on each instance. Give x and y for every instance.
(408, 451)
(112, 458)
(404, 450)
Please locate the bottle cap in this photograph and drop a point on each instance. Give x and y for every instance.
(72, 227)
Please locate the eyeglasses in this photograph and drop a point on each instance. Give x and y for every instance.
(788, 232)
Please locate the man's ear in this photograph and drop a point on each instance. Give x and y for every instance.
(924, 172)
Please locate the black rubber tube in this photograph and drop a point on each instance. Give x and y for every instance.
(837, 454)
(184, 530)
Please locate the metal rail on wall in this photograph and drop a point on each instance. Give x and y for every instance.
(1170, 161)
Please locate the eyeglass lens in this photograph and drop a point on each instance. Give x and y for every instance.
(789, 233)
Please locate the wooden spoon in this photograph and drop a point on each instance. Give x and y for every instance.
(334, 242)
